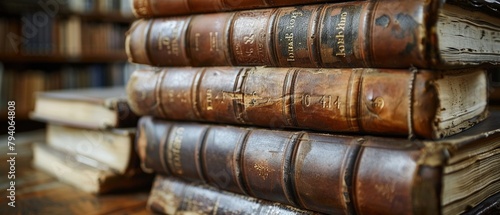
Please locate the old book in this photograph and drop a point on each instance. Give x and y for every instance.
(173, 196)
(93, 108)
(328, 173)
(375, 33)
(490, 206)
(156, 8)
(428, 104)
(86, 174)
(113, 147)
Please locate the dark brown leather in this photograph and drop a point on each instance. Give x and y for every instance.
(157, 8)
(339, 100)
(379, 34)
(327, 173)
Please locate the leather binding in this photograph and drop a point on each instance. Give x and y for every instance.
(378, 101)
(376, 33)
(155, 8)
(172, 196)
(333, 174)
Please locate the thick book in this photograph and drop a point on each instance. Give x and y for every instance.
(157, 8)
(94, 108)
(172, 196)
(375, 33)
(86, 174)
(421, 103)
(334, 174)
(112, 147)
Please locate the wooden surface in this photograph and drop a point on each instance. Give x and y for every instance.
(39, 193)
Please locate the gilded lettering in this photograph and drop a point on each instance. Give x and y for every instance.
(249, 39)
(293, 17)
(326, 101)
(174, 151)
(213, 41)
(290, 49)
(307, 100)
(209, 99)
(340, 35)
(170, 94)
(171, 45)
(197, 42)
(289, 36)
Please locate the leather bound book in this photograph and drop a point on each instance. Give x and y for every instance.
(172, 196)
(329, 173)
(375, 33)
(155, 8)
(426, 104)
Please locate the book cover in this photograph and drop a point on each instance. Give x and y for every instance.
(334, 174)
(422, 103)
(375, 33)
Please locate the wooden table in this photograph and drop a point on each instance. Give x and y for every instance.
(39, 193)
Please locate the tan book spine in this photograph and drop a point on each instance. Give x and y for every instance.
(380, 101)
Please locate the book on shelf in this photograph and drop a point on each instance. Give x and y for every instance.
(95, 108)
(113, 147)
(330, 173)
(173, 196)
(375, 33)
(421, 103)
(64, 37)
(85, 173)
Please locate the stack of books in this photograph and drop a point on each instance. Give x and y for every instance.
(357, 107)
(89, 140)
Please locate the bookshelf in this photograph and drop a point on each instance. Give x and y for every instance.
(50, 45)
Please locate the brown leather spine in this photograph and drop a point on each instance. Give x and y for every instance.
(318, 172)
(339, 100)
(157, 8)
(348, 34)
(172, 196)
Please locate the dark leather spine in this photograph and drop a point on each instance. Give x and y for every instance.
(348, 34)
(157, 8)
(318, 172)
(339, 100)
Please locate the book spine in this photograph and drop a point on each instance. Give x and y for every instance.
(173, 196)
(349, 34)
(155, 8)
(318, 172)
(339, 100)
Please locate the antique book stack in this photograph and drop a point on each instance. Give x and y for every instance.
(355, 107)
(89, 140)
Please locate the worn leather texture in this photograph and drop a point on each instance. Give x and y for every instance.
(334, 174)
(157, 8)
(170, 195)
(380, 34)
(373, 101)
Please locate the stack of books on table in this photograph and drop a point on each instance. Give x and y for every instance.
(356, 107)
(90, 140)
